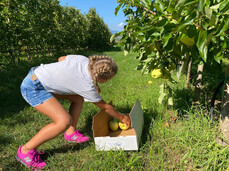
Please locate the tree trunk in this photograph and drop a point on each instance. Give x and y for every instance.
(198, 86)
(224, 115)
(188, 73)
(183, 66)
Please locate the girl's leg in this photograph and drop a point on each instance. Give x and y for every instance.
(74, 110)
(61, 121)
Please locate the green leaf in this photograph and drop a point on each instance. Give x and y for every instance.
(208, 12)
(213, 20)
(113, 37)
(204, 39)
(162, 22)
(204, 53)
(188, 3)
(162, 88)
(161, 98)
(160, 6)
(224, 45)
(147, 3)
(171, 7)
(222, 27)
(117, 9)
(185, 23)
(166, 39)
(177, 50)
(201, 4)
(126, 52)
(215, 7)
(170, 101)
(224, 5)
(201, 44)
(156, 34)
(180, 3)
(148, 60)
(218, 57)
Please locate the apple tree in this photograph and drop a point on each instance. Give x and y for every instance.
(163, 33)
(97, 31)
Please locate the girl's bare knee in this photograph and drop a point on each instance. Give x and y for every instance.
(64, 122)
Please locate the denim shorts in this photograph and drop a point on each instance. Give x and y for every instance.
(33, 91)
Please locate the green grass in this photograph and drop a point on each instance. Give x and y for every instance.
(187, 144)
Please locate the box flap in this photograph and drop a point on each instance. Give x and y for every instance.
(137, 119)
(100, 124)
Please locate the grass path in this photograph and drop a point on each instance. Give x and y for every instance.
(187, 142)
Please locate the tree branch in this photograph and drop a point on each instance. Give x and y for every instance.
(145, 9)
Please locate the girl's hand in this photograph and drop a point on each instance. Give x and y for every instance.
(113, 112)
(126, 119)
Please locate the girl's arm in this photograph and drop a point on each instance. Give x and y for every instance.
(61, 58)
(113, 112)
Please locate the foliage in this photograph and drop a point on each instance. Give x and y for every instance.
(44, 24)
(163, 31)
(98, 32)
(167, 32)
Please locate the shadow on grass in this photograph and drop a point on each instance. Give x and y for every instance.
(149, 116)
(183, 99)
(64, 149)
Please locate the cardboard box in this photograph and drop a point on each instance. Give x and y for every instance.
(124, 140)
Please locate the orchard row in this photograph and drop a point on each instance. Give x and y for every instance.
(41, 25)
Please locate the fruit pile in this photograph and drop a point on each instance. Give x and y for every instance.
(115, 124)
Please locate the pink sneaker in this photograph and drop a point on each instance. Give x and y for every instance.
(31, 159)
(76, 137)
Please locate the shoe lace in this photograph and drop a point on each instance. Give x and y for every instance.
(79, 134)
(36, 157)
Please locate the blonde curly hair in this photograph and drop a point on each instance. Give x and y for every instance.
(102, 67)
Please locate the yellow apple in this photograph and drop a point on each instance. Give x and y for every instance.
(157, 73)
(113, 125)
(123, 126)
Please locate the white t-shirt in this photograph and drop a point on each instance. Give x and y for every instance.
(67, 77)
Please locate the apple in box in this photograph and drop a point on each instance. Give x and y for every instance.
(123, 126)
(115, 124)
(107, 139)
